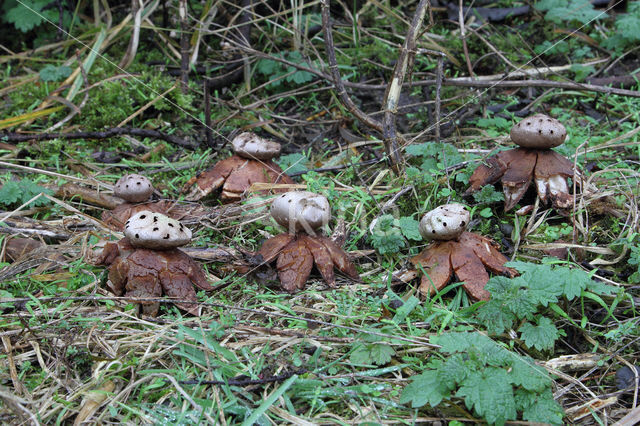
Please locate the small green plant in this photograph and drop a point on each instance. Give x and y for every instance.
(559, 11)
(435, 156)
(517, 301)
(390, 234)
(627, 32)
(371, 349)
(496, 383)
(15, 193)
(276, 71)
(53, 73)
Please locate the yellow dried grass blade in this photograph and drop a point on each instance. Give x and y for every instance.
(19, 119)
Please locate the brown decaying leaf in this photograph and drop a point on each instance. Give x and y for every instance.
(322, 259)
(17, 247)
(436, 262)
(294, 265)
(339, 258)
(272, 247)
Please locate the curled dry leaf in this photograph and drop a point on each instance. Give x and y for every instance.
(145, 273)
(468, 258)
(235, 175)
(296, 255)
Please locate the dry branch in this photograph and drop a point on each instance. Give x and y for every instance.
(335, 73)
(392, 94)
(108, 133)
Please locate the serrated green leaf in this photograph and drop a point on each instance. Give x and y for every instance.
(10, 193)
(569, 10)
(27, 15)
(53, 73)
(496, 316)
(539, 407)
(542, 336)
(473, 344)
(293, 163)
(524, 372)
(454, 369)
(387, 238)
(410, 228)
(425, 388)
(490, 394)
(372, 353)
(488, 195)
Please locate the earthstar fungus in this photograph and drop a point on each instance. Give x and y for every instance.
(147, 264)
(455, 251)
(296, 251)
(533, 161)
(251, 163)
(133, 189)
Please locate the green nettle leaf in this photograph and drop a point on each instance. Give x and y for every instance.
(542, 336)
(410, 228)
(425, 388)
(372, 353)
(53, 73)
(539, 407)
(496, 316)
(490, 394)
(473, 344)
(524, 372)
(454, 369)
(433, 153)
(27, 14)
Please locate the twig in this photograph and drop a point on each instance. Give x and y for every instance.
(464, 39)
(109, 133)
(245, 382)
(207, 114)
(234, 70)
(392, 94)
(487, 81)
(335, 73)
(439, 77)
(184, 46)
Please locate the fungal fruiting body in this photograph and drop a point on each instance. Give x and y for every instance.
(455, 251)
(533, 161)
(251, 163)
(296, 251)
